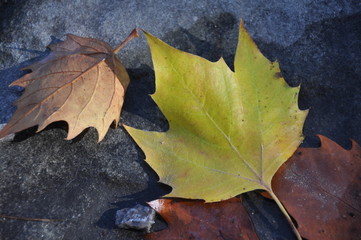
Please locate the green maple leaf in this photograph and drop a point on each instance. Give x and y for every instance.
(229, 131)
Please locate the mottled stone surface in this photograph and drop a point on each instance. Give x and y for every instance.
(318, 45)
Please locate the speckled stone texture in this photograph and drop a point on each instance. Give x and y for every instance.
(318, 45)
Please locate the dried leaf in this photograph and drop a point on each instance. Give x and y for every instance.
(203, 221)
(321, 189)
(81, 82)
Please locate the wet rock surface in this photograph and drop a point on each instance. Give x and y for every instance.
(318, 45)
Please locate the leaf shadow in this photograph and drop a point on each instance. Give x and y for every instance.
(154, 191)
(325, 61)
(61, 125)
(219, 41)
(140, 111)
(267, 218)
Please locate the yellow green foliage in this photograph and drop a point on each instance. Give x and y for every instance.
(229, 131)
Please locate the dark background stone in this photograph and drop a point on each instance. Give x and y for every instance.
(318, 45)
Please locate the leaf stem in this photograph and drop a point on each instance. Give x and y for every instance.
(133, 34)
(284, 211)
(31, 219)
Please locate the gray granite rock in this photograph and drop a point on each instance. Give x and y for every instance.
(317, 43)
(138, 217)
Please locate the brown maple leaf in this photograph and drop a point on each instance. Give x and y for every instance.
(203, 221)
(81, 82)
(321, 189)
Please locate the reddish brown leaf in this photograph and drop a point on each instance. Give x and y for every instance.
(203, 221)
(81, 82)
(321, 189)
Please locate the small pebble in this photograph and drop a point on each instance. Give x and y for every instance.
(139, 218)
